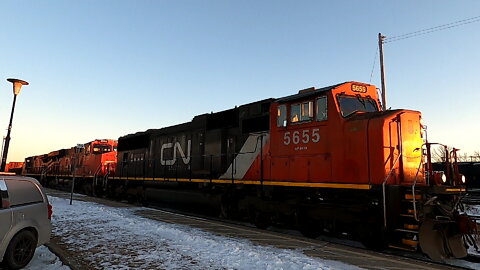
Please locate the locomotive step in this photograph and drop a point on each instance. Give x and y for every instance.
(406, 230)
(410, 211)
(411, 200)
(410, 242)
(410, 226)
(403, 247)
(407, 215)
(409, 196)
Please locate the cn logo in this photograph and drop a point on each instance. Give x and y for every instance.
(176, 148)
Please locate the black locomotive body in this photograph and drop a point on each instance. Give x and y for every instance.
(202, 148)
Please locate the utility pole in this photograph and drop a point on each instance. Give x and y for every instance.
(382, 71)
(76, 162)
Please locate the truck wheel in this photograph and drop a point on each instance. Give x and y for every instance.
(20, 250)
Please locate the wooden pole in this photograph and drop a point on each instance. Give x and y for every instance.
(382, 71)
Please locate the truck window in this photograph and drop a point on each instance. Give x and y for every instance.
(22, 192)
(3, 194)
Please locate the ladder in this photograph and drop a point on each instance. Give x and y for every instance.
(406, 230)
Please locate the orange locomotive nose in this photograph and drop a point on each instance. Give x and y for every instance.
(396, 144)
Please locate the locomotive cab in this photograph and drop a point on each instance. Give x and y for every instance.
(338, 140)
(318, 133)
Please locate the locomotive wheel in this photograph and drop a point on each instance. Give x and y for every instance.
(371, 236)
(261, 220)
(87, 189)
(227, 207)
(224, 210)
(306, 226)
(142, 198)
(309, 231)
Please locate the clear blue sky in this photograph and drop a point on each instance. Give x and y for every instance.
(104, 69)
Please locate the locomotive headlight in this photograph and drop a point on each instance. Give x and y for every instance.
(439, 178)
(463, 179)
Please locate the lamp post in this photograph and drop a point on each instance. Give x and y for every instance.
(17, 86)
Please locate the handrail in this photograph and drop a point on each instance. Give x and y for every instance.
(44, 171)
(97, 171)
(413, 191)
(400, 152)
(383, 191)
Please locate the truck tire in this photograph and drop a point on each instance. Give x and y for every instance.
(20, 250)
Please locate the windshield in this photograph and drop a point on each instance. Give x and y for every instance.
(352, 104)
(101, 148)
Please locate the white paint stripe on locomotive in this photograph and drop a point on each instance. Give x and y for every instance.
(244, 160)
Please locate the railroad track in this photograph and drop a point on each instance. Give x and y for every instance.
(471, 200)
(352, 248)
(326, 248)
(472, 197)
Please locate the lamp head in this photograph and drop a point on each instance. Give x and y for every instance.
(17, 85)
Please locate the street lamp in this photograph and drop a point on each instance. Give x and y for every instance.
(17, 86)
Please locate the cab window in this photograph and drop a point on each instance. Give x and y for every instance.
(352, 104)
(322, 109)
(301, 112)
(101, 148)
(281, 116)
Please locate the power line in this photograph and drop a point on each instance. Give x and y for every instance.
(373, 66)
(443, 25)
(432, 29)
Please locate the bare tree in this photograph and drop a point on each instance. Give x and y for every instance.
(439, 153)
(475, 157)
(462, 157)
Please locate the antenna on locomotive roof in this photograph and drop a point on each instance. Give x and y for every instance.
(382, 71)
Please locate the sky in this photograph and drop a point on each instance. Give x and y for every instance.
(104, 69)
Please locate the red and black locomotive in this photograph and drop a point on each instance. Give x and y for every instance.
(325, 160)
(89, 162)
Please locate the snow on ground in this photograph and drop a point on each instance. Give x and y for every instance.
(116, 238)
(44, 259)
(473, 210)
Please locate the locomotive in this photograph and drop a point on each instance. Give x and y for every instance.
(471, 171)
(325, 160)
(91, 163)
(14, 167)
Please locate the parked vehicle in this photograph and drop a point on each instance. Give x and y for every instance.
(25, 219)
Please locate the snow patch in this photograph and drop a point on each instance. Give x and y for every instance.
(117, 238)
(44, 259)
